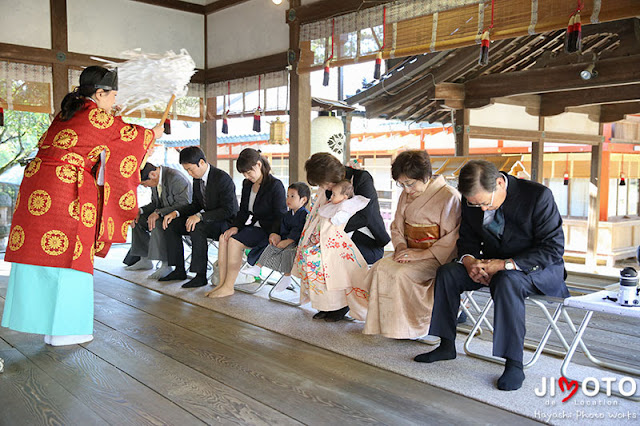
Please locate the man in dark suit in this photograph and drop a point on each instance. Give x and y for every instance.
(170, 190)
(214, 205)
(511, 240)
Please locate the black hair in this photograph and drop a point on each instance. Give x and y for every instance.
(74, 101)
(248, 158)
(477, 175)
(413, 164)
(144, 173)
(303, 190)
(323, 168)
(192, 155)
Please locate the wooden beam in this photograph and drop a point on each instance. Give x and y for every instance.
(530, 102)
(176, 5)
(60, 47)
(612, 72)
(330, 8)
(208, 133)
(595, 185)
(451, 93)
(266, 64)
(498, 133)
(219, 5)
(300, 115)
(537, 155)
(462, 137)
(558, 102)
(616, 112)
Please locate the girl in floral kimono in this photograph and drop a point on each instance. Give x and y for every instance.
(66, 212)
(329, 263)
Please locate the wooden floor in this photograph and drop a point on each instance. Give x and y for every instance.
(158, 360)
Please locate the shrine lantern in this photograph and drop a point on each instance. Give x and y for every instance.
(277, 134)
(327, 134)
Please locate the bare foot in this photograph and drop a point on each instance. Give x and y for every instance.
(222, 292)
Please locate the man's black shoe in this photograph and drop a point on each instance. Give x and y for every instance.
(197, 281)
(174, 276)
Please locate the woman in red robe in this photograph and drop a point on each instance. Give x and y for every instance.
(77, 197)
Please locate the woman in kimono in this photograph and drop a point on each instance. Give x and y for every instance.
(424, 234)
(65, 214)
(366, 236)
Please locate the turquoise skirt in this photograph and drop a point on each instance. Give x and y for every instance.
(48, 300)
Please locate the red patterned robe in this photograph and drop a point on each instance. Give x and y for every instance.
(60, 218)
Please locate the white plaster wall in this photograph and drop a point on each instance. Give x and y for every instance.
(249, 30)
(128, 25)
(503, 116)
(571, 122)
(25, 22)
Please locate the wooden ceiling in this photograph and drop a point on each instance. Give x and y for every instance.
(533, 71)
(211, 6)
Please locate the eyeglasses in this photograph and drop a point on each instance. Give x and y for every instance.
(482, 204)
(406, 185)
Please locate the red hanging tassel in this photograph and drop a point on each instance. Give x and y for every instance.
(256, 120)
(622, 180)
(568, 38)
(484, 48)
(325, 79)
(167, 126)
(225, 124)
(377, 70)
(566, 178)
(1, 116)
(577, 32)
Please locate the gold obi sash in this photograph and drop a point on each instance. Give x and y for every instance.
(421, 236)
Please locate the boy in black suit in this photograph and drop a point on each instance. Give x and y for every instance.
(214, 205)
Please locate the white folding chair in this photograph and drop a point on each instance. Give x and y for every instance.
(210, 243)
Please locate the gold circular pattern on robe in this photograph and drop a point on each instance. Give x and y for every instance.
(128, 133)
(74, 209)
(67, 173)
(107, 192)
(70, 173)
(88, 215)
(94, 154)
(111, 228)
(39, 202)
(77, 250)
(91, 252)
(15, 209)
(99, 246)
(148, 138)
(128, 166)
(41, 140)
(16, 238)
(127, 201)
(54, 242)
(100, 119)
(33, 167)
(65, 139)
(125, 228)
(101, 232)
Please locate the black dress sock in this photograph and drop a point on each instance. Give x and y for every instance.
(446, 350)
(512, 377)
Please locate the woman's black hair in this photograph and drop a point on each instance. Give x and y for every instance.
(303, 190)
(74, 101)
(248, 158)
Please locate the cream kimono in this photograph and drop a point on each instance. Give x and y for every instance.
(401, 294)
(330, 265)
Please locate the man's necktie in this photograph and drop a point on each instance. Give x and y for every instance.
(497, 226)
(203, 188)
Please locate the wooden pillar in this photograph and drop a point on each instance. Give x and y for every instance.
(300, 111)
(605, 130)
(60, 45)
(462, 137)
(597, 181)
(208, 133)
(537, 155)
(346, 120)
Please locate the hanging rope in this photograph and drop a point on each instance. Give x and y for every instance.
(256, 114)
(566, 171)
(485, 40)
(573, 37)
(225, 115)
(325, 79)
(376, 72)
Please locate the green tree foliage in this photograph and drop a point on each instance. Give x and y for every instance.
(19, 136)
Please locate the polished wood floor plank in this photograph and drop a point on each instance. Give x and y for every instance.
(102, 387)
(202, 396)
(28, 396)
(365, 383)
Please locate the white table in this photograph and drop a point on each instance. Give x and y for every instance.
(597, 302)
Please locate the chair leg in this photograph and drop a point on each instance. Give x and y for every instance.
(245, 289)
(282, 300)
